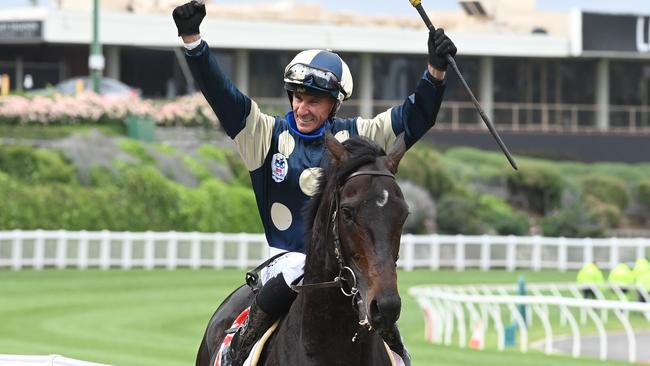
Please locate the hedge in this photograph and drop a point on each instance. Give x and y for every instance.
(229, 158)
(141, 200)
(643, 192)
(574, 221)
(606, 189)
(496, 214)
(535, 187)
(33, 165)
(458, 215)
(424, 167)
(607, 215)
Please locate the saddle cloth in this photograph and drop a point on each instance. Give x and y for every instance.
(254, 356)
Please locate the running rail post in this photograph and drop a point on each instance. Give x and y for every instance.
(417, 4)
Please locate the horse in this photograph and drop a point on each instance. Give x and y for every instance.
(349, 293)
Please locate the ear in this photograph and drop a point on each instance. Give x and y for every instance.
(395, 153)
(336, 149)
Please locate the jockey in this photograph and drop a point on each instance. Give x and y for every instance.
(283, 153)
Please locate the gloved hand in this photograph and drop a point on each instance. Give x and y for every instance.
(439, 47)
(188, 17)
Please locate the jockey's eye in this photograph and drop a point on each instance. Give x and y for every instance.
(347, 213)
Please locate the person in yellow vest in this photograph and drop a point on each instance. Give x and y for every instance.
(621, 276)
(642, 275)
(641, 266)
(643, 281)
(588, 276)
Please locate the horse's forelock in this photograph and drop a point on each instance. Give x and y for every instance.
(362, 152)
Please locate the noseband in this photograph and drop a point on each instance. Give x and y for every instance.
(340, 280)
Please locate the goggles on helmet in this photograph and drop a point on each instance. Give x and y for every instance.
(313, 77)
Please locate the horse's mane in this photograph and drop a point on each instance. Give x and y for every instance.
(362, 151)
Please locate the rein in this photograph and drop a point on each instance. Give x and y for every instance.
(340, 279)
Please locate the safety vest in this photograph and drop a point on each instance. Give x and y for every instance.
(621, 275)
(590, 274)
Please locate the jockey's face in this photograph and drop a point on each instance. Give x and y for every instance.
(311, 111)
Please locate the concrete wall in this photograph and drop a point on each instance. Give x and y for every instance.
(582, 147)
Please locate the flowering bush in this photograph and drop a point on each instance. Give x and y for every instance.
(88, 107)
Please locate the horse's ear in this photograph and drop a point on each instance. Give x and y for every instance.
(395, 153)
(336, 149)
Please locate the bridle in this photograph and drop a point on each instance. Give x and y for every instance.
(340, 280)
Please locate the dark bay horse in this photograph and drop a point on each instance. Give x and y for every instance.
(350, 291)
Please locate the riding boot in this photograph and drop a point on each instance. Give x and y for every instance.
(244, 339)
(271, 302)
(394, 341)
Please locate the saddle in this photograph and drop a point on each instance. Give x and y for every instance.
(256, 352)
(254, 356)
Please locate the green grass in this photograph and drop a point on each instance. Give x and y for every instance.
(157, 317)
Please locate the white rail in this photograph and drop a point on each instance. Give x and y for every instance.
(449, 310)
(104, 249)
(49, 360)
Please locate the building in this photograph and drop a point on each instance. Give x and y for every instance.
(537, 72)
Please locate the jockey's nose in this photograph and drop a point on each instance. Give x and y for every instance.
(385, 310)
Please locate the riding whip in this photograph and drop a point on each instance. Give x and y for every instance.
(417, 4)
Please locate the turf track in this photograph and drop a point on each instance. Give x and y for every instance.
(140, 317)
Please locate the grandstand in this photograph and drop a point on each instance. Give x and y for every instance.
(536, 73)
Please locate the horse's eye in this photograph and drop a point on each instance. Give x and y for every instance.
(347, 213)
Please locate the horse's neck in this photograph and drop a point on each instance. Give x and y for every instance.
(328, 316)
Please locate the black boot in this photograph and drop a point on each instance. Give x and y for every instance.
(243, 341)
(394, 341)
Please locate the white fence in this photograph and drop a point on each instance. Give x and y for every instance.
(49, 360)
(105, 249)
(473, 309)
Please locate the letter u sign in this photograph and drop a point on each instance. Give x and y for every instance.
(643, 34)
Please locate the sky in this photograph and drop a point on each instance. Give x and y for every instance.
(403, 8)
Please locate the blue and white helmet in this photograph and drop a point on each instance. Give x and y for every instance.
(320, 71)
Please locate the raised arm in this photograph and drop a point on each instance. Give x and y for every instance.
(239, 116)
(418, 113)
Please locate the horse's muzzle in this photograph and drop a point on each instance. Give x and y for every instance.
(384, 310)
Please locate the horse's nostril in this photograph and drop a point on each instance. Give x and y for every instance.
(374, 308)
(385, 309)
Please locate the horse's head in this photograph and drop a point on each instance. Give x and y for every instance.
(369, 211)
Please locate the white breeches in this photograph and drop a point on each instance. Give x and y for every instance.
(291, 265)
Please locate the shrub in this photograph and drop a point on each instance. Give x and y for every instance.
(197, 169)
(60, 206)
(99, 176)
(643, 192)
(135, 148)
(498, 215)
(231, 159)
(458, 215)
(535, 187)
(34, 165)
(152, 200)
(244, 211)
(422, 209)
(607, 189)
(215, 206)
(607, 215)
(574, 221)
(423, 166)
